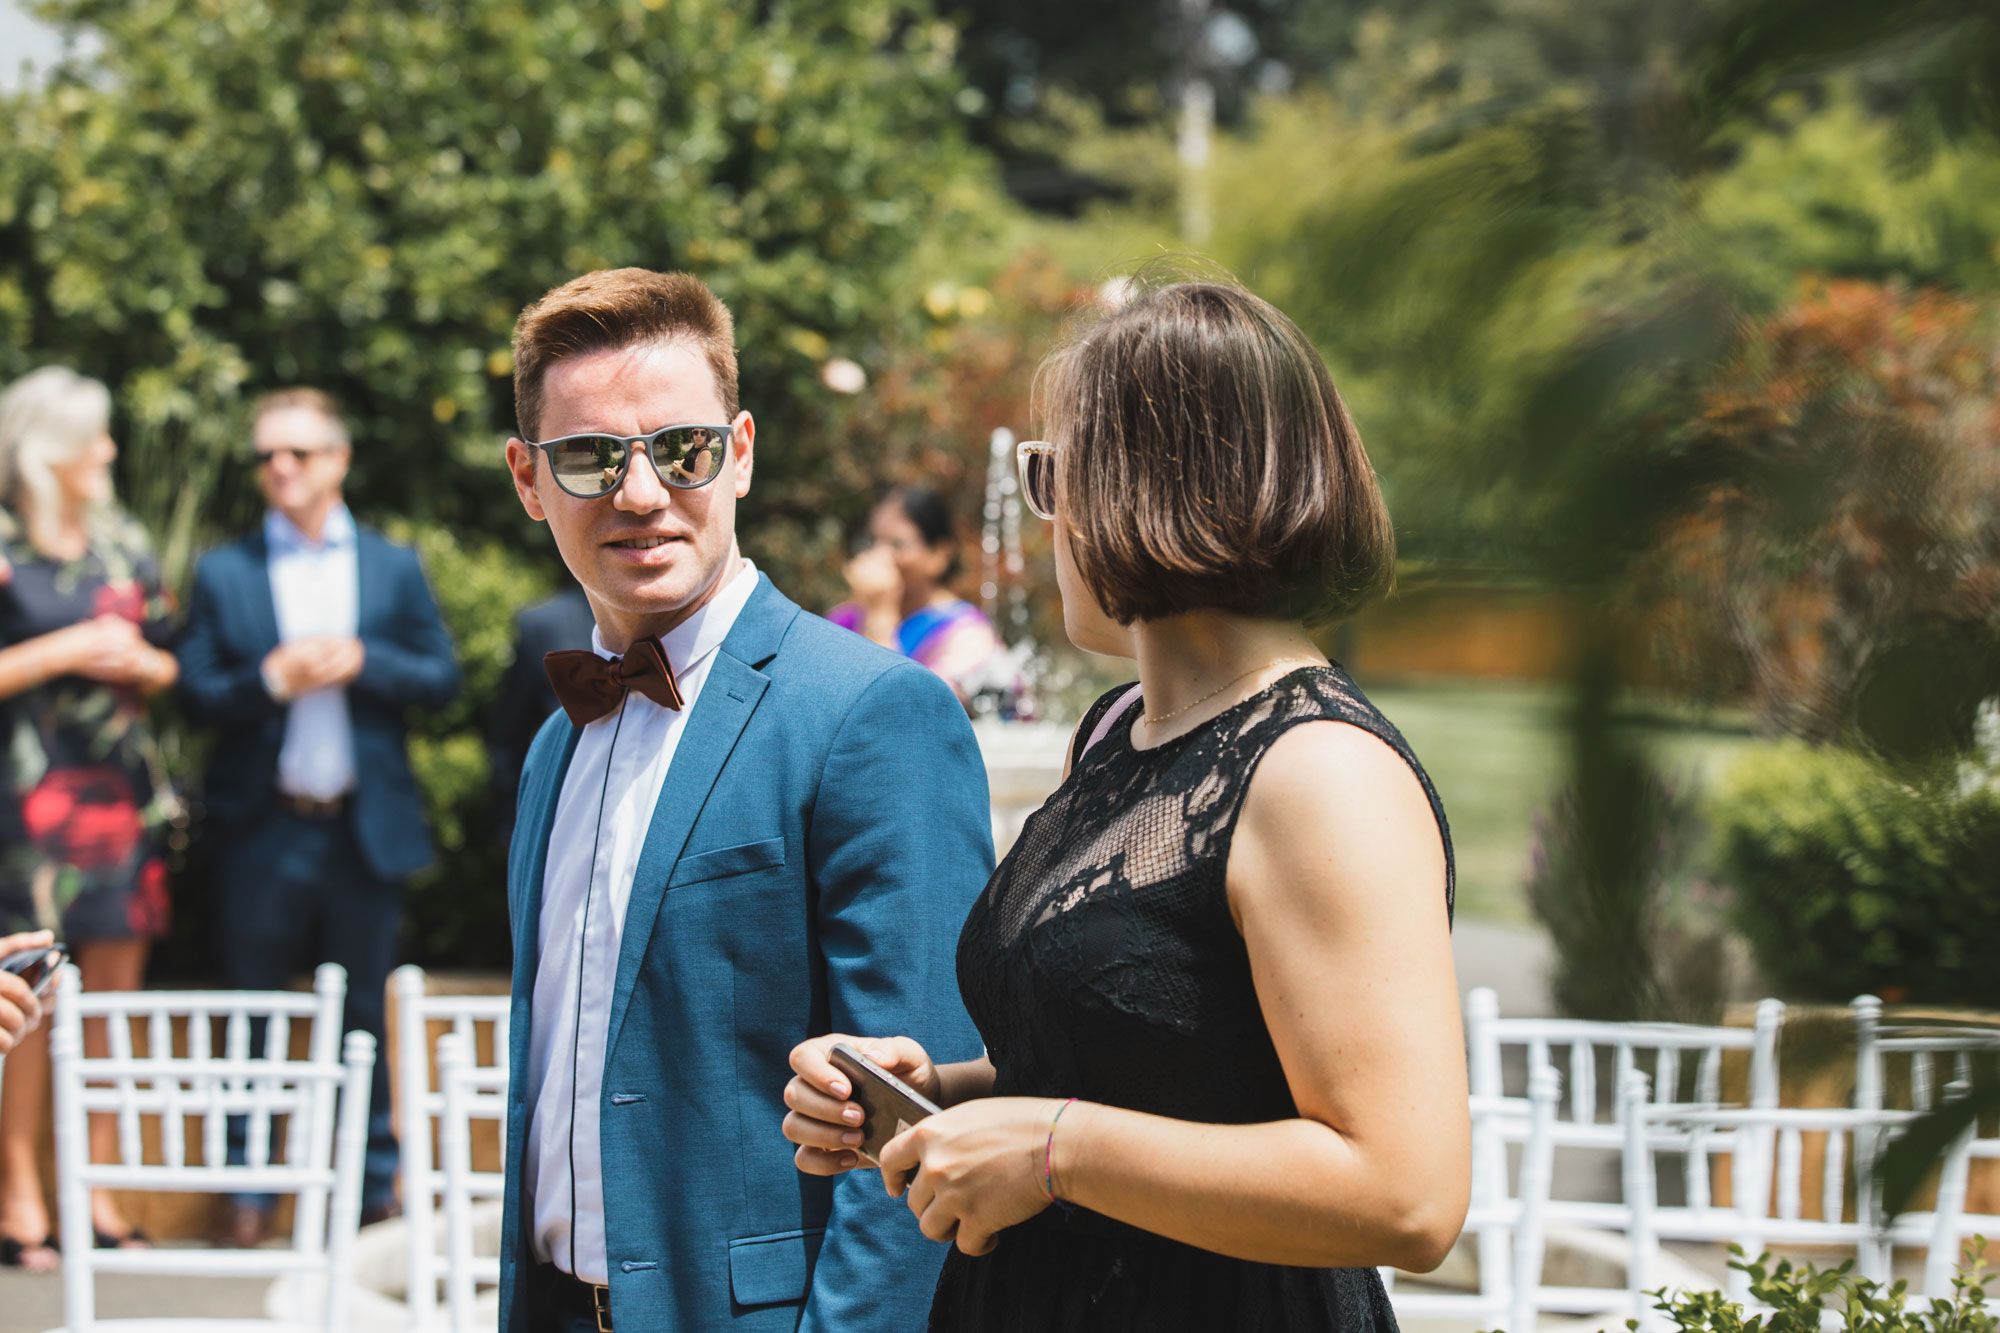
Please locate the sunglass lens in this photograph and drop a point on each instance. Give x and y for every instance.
(688, 456)
(1038, 483)
(587, 465)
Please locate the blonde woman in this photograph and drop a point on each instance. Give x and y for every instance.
(82, 618)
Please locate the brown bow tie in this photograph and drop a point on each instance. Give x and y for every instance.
(589, 687)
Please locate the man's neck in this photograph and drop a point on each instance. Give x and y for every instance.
(311, 520)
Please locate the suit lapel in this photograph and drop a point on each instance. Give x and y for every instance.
(263, 601)
(728, 697)
(524, 887)
(369, 587)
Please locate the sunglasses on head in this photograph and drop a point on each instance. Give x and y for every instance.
(1037, 460)
(592, 466)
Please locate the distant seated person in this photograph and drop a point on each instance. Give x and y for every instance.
(902, 601)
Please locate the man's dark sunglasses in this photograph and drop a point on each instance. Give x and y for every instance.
(297, 455)
(592, 466)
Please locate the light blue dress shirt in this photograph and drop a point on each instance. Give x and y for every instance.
(315, 589)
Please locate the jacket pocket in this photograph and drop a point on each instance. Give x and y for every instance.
(727, 861)
(773, 1269)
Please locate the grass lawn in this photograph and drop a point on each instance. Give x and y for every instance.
(1495, 750)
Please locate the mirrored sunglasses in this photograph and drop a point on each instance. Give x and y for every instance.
(592, 466)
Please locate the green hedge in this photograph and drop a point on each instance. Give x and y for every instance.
(1849, 879)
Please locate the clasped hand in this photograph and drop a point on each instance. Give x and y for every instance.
(323, 662)
(967, 1173)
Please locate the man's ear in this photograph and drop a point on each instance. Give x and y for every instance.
(743, 444)
(521, 464)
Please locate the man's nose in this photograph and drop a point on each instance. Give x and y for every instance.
(641, 491)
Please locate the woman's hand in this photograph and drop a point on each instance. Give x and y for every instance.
(973, 1170)
(104, 648)
(874, 580)
(19, 1009)
(825, 1125)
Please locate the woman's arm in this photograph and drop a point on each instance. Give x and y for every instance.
(1336, 877)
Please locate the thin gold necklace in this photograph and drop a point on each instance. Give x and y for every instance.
(1154, 721)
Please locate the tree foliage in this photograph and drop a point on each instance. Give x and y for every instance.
(234, 194)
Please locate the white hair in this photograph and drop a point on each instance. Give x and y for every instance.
(47, 417)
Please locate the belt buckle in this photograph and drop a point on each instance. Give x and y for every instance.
(600, 1305)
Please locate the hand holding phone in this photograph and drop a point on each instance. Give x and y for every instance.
(888, 1105)
(36, 967)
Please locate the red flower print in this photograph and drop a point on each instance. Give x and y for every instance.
(146, 911)
(125, 599)
(85, 817)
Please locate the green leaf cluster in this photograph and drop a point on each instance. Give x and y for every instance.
(1806, 1299)
(1852, 878)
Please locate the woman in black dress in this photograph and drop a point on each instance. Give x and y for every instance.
(1225, 1078)
(82, 801)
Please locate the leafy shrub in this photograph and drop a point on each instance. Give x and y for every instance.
(1850, 877)
(1798, 1296)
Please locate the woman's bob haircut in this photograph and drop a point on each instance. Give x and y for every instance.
(1204, 461)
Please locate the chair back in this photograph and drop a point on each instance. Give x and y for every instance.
(182, 1064)
(471, 1092)
(422, 1020)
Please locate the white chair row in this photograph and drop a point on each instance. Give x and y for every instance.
(1669, 1081)
(305, 1122)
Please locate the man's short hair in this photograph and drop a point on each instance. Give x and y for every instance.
(1205, 460)
(316, 400)
(616, 308)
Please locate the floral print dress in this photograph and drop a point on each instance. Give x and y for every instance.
(83, 799)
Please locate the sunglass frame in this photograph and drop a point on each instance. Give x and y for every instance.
(632, 444)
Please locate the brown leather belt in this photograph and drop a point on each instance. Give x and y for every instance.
(578, 1296)
(312, 807)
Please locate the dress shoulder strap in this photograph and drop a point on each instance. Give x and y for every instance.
(1108, 709)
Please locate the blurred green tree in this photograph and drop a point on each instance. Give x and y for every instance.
(233, 194)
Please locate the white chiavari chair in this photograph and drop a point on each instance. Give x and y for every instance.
(1767, 1184)
(1912, 1066)
(1505, 1296)
(189, 1092)
(471, 1092)
(1685, 1062)
(421, 1020)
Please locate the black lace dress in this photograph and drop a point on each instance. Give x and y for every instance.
(1102, 963)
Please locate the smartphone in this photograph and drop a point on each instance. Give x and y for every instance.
(37, 966)
(888, 1105)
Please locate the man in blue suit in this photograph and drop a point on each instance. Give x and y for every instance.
(746, 827)
(308, 643)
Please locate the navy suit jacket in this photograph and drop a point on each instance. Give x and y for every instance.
(821, 835)
(408, 663)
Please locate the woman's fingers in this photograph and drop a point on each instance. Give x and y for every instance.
(808, 1132)
(810, 1062)
(819, 1162)
(972, 1240)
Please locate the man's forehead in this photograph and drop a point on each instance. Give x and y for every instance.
(669, 376)
(295, 425)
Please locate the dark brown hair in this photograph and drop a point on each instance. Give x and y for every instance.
(314, 400)
(613, 308)
(1204, 460)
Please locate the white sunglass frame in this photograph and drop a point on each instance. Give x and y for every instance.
(1023, 451)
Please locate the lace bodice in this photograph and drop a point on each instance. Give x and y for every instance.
(1102, 962)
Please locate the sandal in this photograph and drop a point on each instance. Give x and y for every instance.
(14, 1253)
(135, 1238)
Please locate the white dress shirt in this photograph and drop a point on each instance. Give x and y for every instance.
(601, 820)
(315, 589)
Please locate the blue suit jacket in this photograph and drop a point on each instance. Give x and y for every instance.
(822, 833)
(407, 663)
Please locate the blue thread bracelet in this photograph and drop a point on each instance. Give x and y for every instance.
(1048, 1162)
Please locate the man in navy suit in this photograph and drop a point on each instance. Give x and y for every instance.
(746, 827)
(308, 643)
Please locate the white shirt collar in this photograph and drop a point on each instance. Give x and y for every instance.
(691, 641)
(283, 535)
